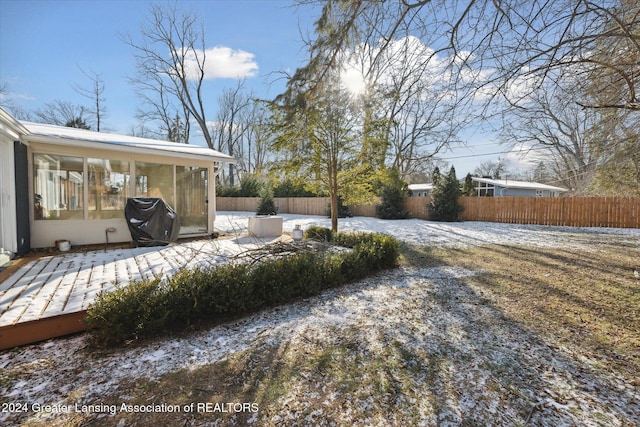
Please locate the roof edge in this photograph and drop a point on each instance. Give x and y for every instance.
(52, 134)
(10, 123)
(518, 184)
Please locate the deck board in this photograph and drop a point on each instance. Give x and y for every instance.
(63, 293)
(48, 296)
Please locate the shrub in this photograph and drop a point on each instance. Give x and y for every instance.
(225, 190)
(151, 307)
(320, 234)
(285, 279)
(249, 187)
(127, 313)
(373, 251)
(292, 188)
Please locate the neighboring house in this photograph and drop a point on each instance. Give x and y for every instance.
(508, 187)
(62, 183)
(420, 189)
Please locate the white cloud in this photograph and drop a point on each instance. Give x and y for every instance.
(407, 54)
(520, 88)
(8, 95)
(223, 62)
(518, 161)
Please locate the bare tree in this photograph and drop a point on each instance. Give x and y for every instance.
(611, 62)
(63, 113)
(574, 140)
(170, 62)
(410, 112)
(419, 106)
(257, 136)
(95, 95)
(620, 175)
(4, 91)
(229, 127)
(140, 130)
(494, 169)
(158, 106)
(7, 102)
(507, 40)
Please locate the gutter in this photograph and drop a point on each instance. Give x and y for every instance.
(68, 142)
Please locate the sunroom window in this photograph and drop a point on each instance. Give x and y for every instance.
(109, 186)
(58, 187)
(155, 180)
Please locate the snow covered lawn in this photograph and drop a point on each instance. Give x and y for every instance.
(423, 344)
(456, 234)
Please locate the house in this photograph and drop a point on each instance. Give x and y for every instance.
(11, 182)
(60, 183)
(511, 188)
(420, 189)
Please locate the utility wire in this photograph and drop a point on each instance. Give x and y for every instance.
(493, 153)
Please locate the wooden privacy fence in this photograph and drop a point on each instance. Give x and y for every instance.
(293, 205)
(622, 212)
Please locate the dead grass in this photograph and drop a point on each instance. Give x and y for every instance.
(332, 378)
(586, 299)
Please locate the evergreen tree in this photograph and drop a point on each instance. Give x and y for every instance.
(78, 123)
(444, 204)
(343, 210)
(436, 176)
(392, 204)
(468, 189)
(393, 194)
(266, 205)
(322, 141)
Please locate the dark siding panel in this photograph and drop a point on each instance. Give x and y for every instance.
(23, 204)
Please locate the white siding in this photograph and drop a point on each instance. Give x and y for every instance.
(8, 227)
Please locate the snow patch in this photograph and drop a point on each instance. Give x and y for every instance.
(477, 355)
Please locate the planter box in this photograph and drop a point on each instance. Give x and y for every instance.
(263, 226)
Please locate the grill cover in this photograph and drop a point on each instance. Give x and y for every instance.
(151, 221)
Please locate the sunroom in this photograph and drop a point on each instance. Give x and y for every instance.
(79, 183)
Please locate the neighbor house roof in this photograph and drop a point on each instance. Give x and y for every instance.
(420, 187)
(79, 137)
(509, 183)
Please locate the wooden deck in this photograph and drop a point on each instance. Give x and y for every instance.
(47, 297)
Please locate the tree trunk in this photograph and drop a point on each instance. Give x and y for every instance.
(334, 210)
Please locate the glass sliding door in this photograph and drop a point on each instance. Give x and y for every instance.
(192, 207)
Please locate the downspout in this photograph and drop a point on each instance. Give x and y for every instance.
(214, 181)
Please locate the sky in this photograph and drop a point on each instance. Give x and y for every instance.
(47, 46)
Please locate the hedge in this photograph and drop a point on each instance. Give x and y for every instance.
(148, 308)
